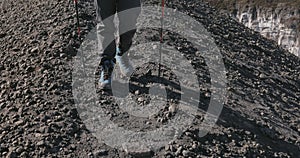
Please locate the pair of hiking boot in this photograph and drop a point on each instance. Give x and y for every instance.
(108, 67)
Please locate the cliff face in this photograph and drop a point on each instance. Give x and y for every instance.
(279, 24)
(276, 20)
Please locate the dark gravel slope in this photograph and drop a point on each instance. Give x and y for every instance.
(37, 114)
(38, 40)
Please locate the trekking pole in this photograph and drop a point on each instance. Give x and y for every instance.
(161, 34)
(78, 32)
(77, 17)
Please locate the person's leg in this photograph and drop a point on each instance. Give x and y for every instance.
(105, 9)
(127, 21)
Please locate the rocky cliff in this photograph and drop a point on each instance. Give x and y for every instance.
(276, 19)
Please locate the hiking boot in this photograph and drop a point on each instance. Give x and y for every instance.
(124, 63)
(106, 74)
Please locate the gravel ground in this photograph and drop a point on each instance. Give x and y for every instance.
(38, 117)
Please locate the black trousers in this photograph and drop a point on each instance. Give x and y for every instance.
(106, 9)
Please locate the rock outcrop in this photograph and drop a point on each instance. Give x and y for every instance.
(277, 20)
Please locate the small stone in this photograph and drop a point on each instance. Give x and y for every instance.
(62, 55)
(103, 101)
(15, 49)
(178, 151)
(262, 76)
(136, 150)
(38, 135)
(168, 115)
(137, 92)
(189, 134)
(24, 154)
(186, 153)
(154, 46)
(101, 152)
(207, 95)
(19, 150)
(18, 123)
(41, 143)
(140, 99)
(172, 148)
(20, 111)
(160, 120)
(194, 146)
(34, 50)
(167, 147)
(29, 69)
(90, 154)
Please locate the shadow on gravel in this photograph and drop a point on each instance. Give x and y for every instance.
(263, 135)
(244, 128)
(241, 127)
